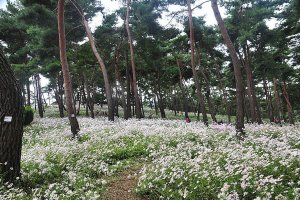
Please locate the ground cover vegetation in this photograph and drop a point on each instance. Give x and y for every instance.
(177, 160)
(203, 111)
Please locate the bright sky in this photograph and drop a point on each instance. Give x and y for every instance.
(2, 3)
(112, 5)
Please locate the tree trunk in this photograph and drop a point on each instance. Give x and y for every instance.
(60, 83)
(104, 72)
(269, 101)
(197, 84)
(89, 100)
(277, 102)
(224, 93)
(249, 94)
(34, 92)
(183, 93)
(28, 93)
(134, 81)
(59, 103)
(161, 108)
(118, 78)
(65, 68)
(247, 111)
(128, 91)
(79, 95)
(160, 96)
(155, 105)
(236, 66)
(11, 124)
(288, 104)
(84, 94)
(100, 62)
(211, 105)
(175, 108)
(39, 95)
(142, 108)
(23, 93)
(255, 112)
(116, 103)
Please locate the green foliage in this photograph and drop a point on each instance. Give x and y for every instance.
(28, 115)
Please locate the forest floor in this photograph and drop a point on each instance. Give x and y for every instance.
(156, 159)
(122, 187)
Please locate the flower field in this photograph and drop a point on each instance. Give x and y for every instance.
(177, 160)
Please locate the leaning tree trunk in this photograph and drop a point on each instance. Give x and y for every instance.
(11, 124)
(108, 91)
(65, 68)
(236, 65)
(104, 72)
(138, 111)
(197, 84)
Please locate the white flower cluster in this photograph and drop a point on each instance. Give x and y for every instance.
(183, 161)
(210, 163)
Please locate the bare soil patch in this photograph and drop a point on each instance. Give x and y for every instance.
(123, 187)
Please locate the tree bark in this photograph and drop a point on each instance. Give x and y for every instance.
(255, 112)
(224, 93)
(83, 93)
(269, 101)
(142, 108)
(197, 84)
(288, 104)
(277, 102)
(104, 72)
(89, 99)
(28, 93)
(39, 95)
(65, 68)
(101, 63)
(128, 84)
(60, 104)
(236, 65)
(11, 123)
(118, 78)
(183, 93)
(58, 94)
(79, 97)
(160, 96)
(134, 80)
(211, 105)
(155, 105)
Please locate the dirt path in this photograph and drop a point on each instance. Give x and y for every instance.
(123, 187)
